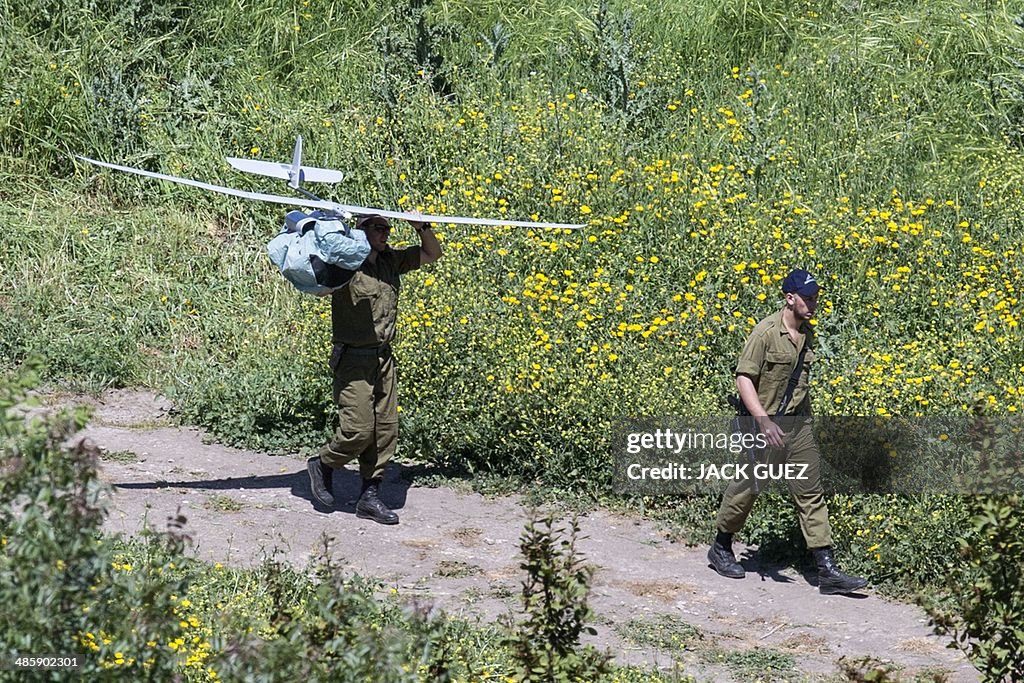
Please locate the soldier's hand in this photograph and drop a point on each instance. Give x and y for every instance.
(773, 434)
(417, 225)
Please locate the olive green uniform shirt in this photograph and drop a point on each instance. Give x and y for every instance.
(365, 311)
(769, 357)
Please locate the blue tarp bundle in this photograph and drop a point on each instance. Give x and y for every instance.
(318, 253)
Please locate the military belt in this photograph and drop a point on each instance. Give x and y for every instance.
(367, 350)
(380, 350)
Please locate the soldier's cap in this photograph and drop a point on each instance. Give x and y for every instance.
(800, 282)
(371, 221)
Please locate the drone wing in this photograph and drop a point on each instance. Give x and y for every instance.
(332, 206)
(258, 196)
(460, 220)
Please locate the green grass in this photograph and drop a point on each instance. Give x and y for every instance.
(710, 146)
(756, 664)
(224, 504)
(123, 457)
(664, 632)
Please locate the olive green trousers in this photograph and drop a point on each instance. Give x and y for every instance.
(366, 394)
(800, 449)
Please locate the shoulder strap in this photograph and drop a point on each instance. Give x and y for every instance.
(793, 379)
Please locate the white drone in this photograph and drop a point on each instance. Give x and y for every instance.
(295, 173)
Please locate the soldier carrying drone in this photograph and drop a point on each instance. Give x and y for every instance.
(363, 317)
(320, 254)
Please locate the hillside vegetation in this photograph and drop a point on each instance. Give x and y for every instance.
(710, 147)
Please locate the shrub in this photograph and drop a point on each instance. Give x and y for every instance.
(985, 611)
(546, 645)
(64, 588)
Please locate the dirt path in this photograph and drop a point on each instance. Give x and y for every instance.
(460, 550)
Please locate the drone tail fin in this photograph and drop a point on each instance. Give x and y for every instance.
(295, 174)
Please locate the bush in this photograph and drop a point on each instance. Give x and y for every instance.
(132, 609)
(144, 610)
(546, 645)
(985, 611)
(136, 610)
(64, 587)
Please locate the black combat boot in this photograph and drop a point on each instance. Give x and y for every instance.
(370, 505)
(320, 480)
(721, 558)
(831, 581)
